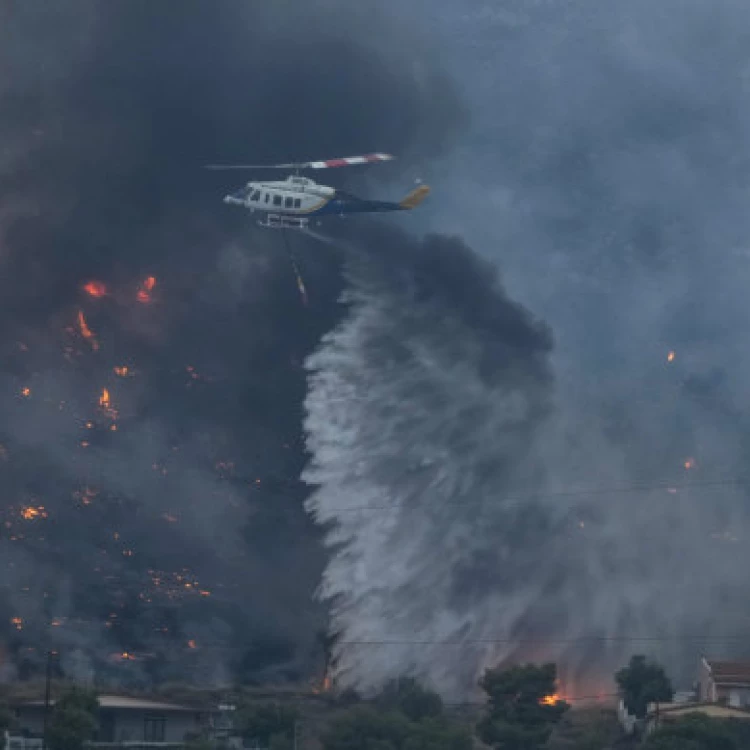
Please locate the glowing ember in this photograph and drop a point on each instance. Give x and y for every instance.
(86, 495)
(689, 464)
(105, 402)
(670, 357)
(26, 392)
(17, 622)
(191, 644)
(147, 286)
(550, 700)
(31, 512)
(86, 331)
(123, 372)
(95, 289)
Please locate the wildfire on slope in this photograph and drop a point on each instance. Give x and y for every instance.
(86, 332)
(95, 289)
(145, 289)
(550, 700)
(105, 403)
(31, 512)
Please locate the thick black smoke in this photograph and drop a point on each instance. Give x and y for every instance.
(151, 421)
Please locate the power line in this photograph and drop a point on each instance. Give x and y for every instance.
(664, 486)
(537, 641)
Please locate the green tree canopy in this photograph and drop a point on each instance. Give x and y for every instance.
(73, 720)
(522, 712)
(404, 716)
(693, 732)
(409, 697)
(7, 720)
(260, 722)
(643, 682)
(371, 728)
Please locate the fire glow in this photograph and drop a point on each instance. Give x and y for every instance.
(95, 289)
(105, 403)
(30, 512)
(550, 700)
(146, 287)
(86, 332)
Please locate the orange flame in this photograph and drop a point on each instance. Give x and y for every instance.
(550, 700)
(95, 289)
(147, 286)
(689, 463)
(670, 357)
(25, 391)
(30, 512)
(86, 331)
(123, 372)
(191, 644)
(105, 402)
(17, 622)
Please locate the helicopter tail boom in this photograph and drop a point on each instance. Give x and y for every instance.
(414, 198)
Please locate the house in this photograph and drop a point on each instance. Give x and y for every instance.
(724, 682)
(127, 720)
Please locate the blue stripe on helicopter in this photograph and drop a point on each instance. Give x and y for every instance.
(338, 206)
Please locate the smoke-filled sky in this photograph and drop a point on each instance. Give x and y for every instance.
(502, 346)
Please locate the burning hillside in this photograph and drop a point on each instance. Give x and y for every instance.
(151, 385)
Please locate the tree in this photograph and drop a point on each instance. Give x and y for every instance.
(523, 709)
(643, 682)
(260, 722)
(409, 697)
(693, 732)
(7, 720)
(368, 728)
(73, 721)
(404, 716)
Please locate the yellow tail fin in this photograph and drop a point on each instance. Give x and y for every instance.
(415, 197)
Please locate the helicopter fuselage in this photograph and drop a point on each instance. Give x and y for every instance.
(303, 197)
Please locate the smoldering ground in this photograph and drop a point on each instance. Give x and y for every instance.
(151, 423)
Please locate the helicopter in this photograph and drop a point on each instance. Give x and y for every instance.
(290, 203)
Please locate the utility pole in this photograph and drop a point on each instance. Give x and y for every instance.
(47, 686)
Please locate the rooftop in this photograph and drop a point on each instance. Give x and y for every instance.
(125, 703)
(729, 672)
(714, 710)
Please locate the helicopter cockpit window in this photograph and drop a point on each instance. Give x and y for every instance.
(298, 202)
(255, 196)
(276, 200)
(289, 202)
(267, 197)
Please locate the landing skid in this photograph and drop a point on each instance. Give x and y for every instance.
(275, 221)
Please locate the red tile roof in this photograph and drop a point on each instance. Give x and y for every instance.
(730, 672)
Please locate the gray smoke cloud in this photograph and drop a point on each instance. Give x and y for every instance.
(424, 405)
(606, 173)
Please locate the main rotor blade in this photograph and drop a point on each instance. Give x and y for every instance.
(347, 161)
